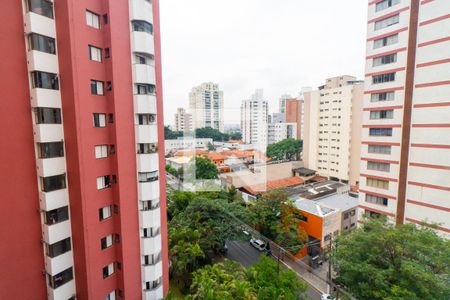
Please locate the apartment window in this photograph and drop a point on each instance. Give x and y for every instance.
(150, 260)
(41, 7)
(99, 120)
(107, 53)
(139, 25)
(383, 78)
(95, 53)
(42, 43)
(112, 149)
(50, 150)
(376, 200)
(385, 4)
(109, 85)
(105, 212)
(111, 296)
(151, 285)
(143, 59)
(45, 115)
(386, 41)
(53, 183)
(387, 22)
(92, 19)
(385, 59)
(101, 151)
(103, 182)
(379, 149)
(97, 87)
(148, 176)
(381, 114)
(106, 242)
(371, 214)
(58, 215)
(150, 205)
(377, 183)
(144, 89)
(108, 270)
(146, 119)
(58, 248)
(380, 131)
(60, 278)
(346, 215)
(378, 97)
(147, 148)
(44, 80)
(150, 232)
(378, 166)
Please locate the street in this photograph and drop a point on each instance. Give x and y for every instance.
(244, 253)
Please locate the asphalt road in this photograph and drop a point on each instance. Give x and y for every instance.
(247, 255)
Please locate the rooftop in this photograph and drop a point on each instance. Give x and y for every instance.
(257, 189)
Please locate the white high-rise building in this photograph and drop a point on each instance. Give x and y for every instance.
(405, 152)
(183, 120)
(281, 131)
(332, 133)
(254, 114)
(206, 106)
(282, 102)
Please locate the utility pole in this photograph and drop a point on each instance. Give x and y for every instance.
(329, 263)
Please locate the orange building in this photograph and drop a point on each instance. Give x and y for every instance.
(293, 114)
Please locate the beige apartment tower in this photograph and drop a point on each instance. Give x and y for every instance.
(206, 106)
(332, 129)
(183, 120)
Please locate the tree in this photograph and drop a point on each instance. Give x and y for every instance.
(211, 133)
(169, 134)
(275, 216)
(274, 282)
(171, 170)
(285, 149)
(211, 147)
(203, 168)
(226, 280)
(383, 261)
(235, 136)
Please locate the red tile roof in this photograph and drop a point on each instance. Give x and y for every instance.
(257, 189)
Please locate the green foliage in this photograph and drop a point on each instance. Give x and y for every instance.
(382, 261)
(204, 168)
(275, 217)
(235, 136)
(211, 147)
(171, 170)
(273, 282)
(285, 149)
(169, 134)
(264, 280)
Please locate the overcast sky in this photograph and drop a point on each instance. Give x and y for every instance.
(277, 45)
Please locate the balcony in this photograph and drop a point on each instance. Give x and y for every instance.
(146, 133)
(39, 24)
(148, 190)
(41, 61)
(44, 133)
(150, 218)
(51, 166)
(45, 98)
(141, 10)
(53, 200)
(144, 74)
(59, 263)
(142, 42)
(65, 291)
(152, 272)
(148, 162)
(56, 232)
(145, 104)
(156, 293)
(151, 245)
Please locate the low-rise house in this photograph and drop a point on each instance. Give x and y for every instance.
(252, 192)
(171, 146)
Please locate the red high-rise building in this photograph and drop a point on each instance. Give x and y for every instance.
(82, 156)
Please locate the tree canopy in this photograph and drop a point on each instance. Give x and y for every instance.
(285, 149)
(169, 134)
(206, 132)
(203, 168)
(383, 261)
(264, 280)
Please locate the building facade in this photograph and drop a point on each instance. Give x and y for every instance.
(282, 103)
(277, 132)
(332, 133)
(83, 164)
(206, 106)
(183, 120)
(295, 114)
(405, 162)
(254, 116)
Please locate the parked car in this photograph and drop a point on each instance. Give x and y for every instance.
(258, 244)
(327, 297)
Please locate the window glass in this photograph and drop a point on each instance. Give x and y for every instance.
(378, 166)
(386, 96)
(385, 4)
(56, 215)
(41, 7)
(101, 151)
(106, 242)
(42, 43)
(377, 183)
(380, 131)
(379, 149)
(105, 213)
(99, 120)
(58, 248)
(148, 176)
(44, 80)
(376, 200)
(60, 278)
(384, 60)
(92, 19)
(45, 115)
(97, 87)
(387, 22)
(50, 150)
(53, 183)
(103, 182)
(386, 41)
(142, 26)
(95, 53)
(383, 78)
(381, 114)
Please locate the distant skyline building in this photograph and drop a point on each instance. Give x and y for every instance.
(281, 131)
(83, 184)
(294, 114)
(405, 161)
(254, 117)
(282, 102)
(206, 106)
(183, 120)
(332, 129)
